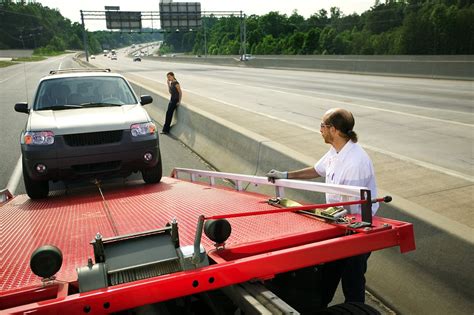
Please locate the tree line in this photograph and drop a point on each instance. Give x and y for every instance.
(415, 27)
(34, 26)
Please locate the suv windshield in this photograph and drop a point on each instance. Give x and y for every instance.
(78, 92)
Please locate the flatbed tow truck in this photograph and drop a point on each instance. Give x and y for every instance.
(91, 253)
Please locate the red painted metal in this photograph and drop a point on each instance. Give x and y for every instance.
(258, 248)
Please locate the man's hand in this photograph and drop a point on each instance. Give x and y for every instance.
(274, 174)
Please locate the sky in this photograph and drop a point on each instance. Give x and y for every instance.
(71, 9)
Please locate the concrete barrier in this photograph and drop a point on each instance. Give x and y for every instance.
(430, 280)
(15, 53)
(457, 67)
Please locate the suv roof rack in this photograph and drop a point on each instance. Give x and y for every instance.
(78, 70)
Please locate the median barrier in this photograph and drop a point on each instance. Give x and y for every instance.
(456, 67)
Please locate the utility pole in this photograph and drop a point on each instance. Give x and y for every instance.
(34, 40)
(243, 37)
(205, 38)
(22, 42)
(241, 50)
(84, 36)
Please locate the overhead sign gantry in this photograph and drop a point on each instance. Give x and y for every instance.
(173, 17)
(180, 15)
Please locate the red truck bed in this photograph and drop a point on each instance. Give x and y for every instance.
(259, 246)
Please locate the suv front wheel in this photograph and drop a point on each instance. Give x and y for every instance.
(35, 189)
(153, 175)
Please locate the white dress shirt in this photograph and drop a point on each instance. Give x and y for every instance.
(351, 166)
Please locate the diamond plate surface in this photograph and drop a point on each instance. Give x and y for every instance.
(70, 221)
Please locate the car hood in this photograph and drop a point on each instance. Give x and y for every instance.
(85, 120)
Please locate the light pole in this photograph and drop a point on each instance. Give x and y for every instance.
(34, 40)
(243, 37)
(205, 38)
(22, 42)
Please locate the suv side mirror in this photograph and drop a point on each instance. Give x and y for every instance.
(22, 107)
(146, 99)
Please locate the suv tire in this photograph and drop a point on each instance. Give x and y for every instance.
(153, 174)
(35, 189)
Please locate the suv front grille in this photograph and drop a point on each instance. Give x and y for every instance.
(93, 138)
(96, 167)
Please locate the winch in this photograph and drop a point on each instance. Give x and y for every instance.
(137, 256)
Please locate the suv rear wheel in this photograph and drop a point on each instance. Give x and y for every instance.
(35, 189)
(153, 175)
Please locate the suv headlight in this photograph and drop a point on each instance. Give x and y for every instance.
(38, 138)
(142, 129)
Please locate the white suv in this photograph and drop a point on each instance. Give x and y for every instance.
(86, 124)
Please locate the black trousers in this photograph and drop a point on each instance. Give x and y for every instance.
(352, 273)
(169, 115)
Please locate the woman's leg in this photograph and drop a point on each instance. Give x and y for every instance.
(169, 117)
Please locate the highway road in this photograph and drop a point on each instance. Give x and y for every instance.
(425, 121)
(17, 84)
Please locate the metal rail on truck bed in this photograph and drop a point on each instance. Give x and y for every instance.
(264, 241)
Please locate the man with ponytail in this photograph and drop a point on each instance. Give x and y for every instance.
(346, 163)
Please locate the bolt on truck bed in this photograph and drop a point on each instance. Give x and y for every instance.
(267, 242)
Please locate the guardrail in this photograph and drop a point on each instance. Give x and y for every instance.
(280, 184)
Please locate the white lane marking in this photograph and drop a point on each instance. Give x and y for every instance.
(369, 107)
(299, 91)
(60, 64)
(389, 153)
(15, 177)
(30, 65)
(372, 148)
(159, 82)
(4, 80)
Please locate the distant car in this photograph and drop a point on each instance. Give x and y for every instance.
(137, 58)
(92, 57)
(86, 124)
(114, 57)
(247, 57)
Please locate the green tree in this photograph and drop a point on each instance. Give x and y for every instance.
(311, 41)
(389, 27)
(326, 40)
(296, 43)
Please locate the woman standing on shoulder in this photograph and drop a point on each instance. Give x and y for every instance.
(175, 100)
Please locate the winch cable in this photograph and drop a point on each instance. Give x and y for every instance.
(106, 208)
